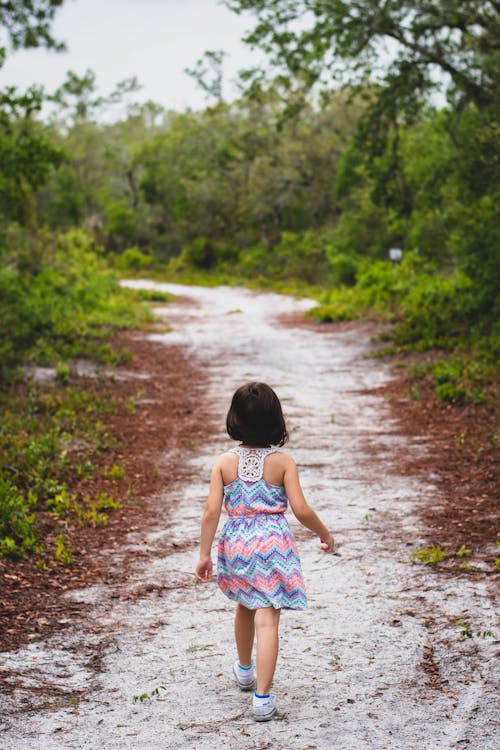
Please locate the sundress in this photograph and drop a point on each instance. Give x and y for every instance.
(258, 564)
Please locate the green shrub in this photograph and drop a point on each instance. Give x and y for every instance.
(122, 224)
(115, 472)
(339, 305)
(92, 511)
(63, 550)
(62, 504)
(436, 310)
(200, 253)
(296, 256)
(64, 306)
(459, 380)
(133, 259)
(17, 524)
(343, 269)
(47, 437)
(152, 295)
(430, 555)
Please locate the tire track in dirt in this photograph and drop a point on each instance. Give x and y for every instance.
(377, 661)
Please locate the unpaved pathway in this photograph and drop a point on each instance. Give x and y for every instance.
(378, 661)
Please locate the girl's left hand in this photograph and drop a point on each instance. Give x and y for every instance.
(203, 570)
(327, 542)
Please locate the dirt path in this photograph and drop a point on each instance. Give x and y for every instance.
(378, 662)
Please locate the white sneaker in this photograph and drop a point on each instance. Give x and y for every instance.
(244, 677)
(264, 709)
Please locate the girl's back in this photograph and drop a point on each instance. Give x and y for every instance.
(273, 471)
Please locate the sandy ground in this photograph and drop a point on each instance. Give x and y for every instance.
(378, 661)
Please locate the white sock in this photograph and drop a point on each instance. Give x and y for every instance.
(260, 698)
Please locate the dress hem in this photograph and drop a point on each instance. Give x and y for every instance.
(237, 599)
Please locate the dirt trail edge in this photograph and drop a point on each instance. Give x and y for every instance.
(388, 656)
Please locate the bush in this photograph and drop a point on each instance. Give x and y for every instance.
(17, 524)
(47, 439)
(58, 308)
(122, 225)
(132, 259)
(295, 256)
(436, 311)
(343, 269)
(460, 380)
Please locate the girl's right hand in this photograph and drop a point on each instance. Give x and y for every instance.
(203, 570)
(327, 542)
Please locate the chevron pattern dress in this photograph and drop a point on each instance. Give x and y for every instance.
(258, 564)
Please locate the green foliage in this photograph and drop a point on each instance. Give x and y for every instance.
(242, 192)
(414, 178)
(92, 511)
(467, 630)
(200, 253)
(342, 41)
(436, 311)
(133, 259)
(27, 23)
(155, 693)
(338, 305)
(17, 524)
(430, 555)
(121, 224)
(46, 438)
(431, 310)
(87, 511)
(115, 472)
(64, 305)
(153, 295)
(458, 380)
(343, 269)
(27, 153)
(295, 256)
(62, 372)
(62, 504)
(63, 550)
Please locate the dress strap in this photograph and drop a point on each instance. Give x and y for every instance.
(251, 462)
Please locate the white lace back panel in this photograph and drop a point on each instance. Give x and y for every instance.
(251, 462)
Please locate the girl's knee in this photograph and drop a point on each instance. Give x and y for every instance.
(267, 617)
(244, 612)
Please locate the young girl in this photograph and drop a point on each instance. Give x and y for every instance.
(258, 565)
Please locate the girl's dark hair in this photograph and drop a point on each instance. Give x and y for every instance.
(255, 416)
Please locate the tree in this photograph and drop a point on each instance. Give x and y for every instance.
(208, 74)
(26, 153)
(428, 44)
(77, 97)
(27, 24)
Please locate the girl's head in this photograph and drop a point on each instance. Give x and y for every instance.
(255, 416)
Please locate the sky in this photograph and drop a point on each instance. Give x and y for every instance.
(154, 40)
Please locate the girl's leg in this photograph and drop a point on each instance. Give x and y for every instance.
(266, 624)
(244, 630)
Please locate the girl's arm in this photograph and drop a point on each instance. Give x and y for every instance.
(209, 523)
(301, 509)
